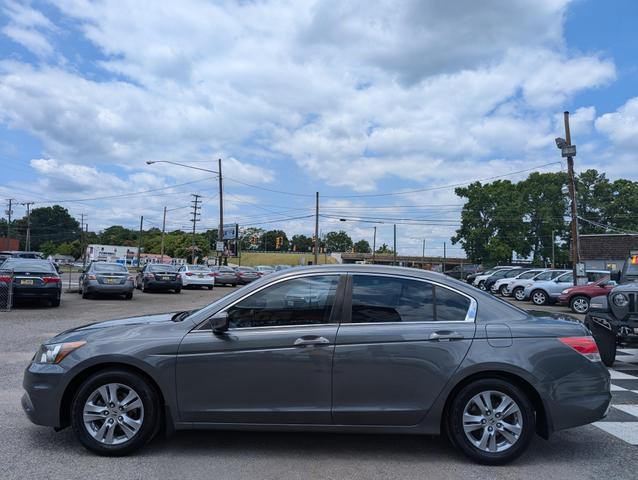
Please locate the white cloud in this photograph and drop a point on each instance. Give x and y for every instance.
(26, 26)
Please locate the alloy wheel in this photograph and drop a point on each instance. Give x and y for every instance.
(538, 298)
(492, 421)
(113, 414)
(580, 305)
(519, 294)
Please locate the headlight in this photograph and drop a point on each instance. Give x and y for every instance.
(55, 352)
(566, 291)
(529, 285)
(620, 299)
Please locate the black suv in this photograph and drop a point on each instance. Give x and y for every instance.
(613, 319)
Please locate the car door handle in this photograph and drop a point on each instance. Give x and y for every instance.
(310, 340)
(446, 335)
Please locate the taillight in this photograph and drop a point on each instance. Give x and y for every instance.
(586, 346)
(51, 279)
(130, 278)
(5, 279)
(91, 277)
(214, 274)
(149, 275)
(189, 274)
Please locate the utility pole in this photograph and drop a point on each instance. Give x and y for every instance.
(317, 229)
(569, 151)
(82, 248)
(374, 243)
(394, 255)
(9, 213)
(162, 241)
(86, 233)
(553, 242)
(27, 242)
(220, 237)
(195, 213)
(423, 256)
(444, 256)
(139, 243)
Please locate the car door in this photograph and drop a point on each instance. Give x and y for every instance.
(274, 363)
(400, 342)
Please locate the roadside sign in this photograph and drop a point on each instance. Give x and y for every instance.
(219, 247)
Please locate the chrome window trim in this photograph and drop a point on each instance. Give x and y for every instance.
(470, 316)
(269, 284)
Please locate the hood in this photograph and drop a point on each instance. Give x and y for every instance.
(82, 331)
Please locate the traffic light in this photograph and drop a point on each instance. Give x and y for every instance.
(279, 242)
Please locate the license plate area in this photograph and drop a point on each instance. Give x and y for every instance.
(112, 281)
(26, 281)
(165, 278)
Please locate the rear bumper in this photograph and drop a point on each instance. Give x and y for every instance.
(95, 287)
(186, 280)
(36, 292)
(163, 285)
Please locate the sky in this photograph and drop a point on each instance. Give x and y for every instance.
(380, 106)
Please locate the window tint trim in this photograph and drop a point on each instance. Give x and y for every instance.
(470, 316)
(203, 326)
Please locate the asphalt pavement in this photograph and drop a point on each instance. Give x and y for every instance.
(31, 452)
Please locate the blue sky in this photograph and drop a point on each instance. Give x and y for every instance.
(379, 109)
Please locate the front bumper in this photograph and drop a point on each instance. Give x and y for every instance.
(44, 387)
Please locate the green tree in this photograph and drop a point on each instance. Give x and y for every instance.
(48, 248)
(362, 246)
(47, 224)
(384, 249)
(302, 243)
(269, 240)
(621, 210)
(338, 242)
(119, 235)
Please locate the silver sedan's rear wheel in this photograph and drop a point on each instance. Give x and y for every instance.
(115, 412)
(519, 294)
(538, 297)
(491, 420)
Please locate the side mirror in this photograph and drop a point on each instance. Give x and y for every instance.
(219, 322)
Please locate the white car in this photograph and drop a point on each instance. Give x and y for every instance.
(517, 287)
(197, 275)
(479, 281)
(502, 285)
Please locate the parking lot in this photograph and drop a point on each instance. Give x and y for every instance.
(29, 451)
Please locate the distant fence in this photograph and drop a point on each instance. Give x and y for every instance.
(6, 291)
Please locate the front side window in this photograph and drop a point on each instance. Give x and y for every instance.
(299, 301)
(527, 275)
(566, 278)
(379, 299)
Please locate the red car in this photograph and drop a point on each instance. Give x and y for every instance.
(578, 297)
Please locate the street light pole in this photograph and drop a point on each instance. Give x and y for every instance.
(374, 243)
(221, 205)
(394, 257)
(317, 229)
(163, 233)
(553, 242)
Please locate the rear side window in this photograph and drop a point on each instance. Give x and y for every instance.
(526, 275)
(379, 299)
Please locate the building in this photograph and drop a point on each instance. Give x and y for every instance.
(112, 253)
(9, 244)
(157, 258)
(606, 251)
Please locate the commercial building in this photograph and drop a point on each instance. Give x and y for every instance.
(606, 251)
(112, 253)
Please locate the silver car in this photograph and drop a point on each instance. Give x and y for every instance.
(341, 348)
(106, 278)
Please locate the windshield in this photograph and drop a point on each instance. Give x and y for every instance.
(200, 268)
(246, 269)
(35, 266)
(109, 267)
(161, 268)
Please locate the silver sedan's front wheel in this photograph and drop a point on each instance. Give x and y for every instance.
(492, 421)
(113, 414)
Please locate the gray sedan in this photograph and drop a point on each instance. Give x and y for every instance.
(347, 348)
(106, 278)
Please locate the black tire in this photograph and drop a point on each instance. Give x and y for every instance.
(178, 290)
(503, 291)
(144, 287)
(520, 292)
(606, 342)
(147, 395)
(578, 302)
(128, 296)
(85, 294)
(138, 285)
(481, 285)
(210, 287)
(539, 297)
(457, 433)
(55, 302)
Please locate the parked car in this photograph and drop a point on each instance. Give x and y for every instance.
(157, 276)
(543, 293)
(479, 280)
(373, 349)
(502, 285)
(577, 298)
(517, 287)
(32, 279)
(279, 268)
(246, 275)
(106, 278)
(225, 276)
(460, 272)
(264, 270)
(490, 282)
(22, 254)
(197, 275)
